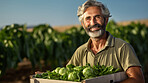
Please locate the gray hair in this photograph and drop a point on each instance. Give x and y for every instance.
(89, 3)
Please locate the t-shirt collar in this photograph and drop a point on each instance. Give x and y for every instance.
(110, 40)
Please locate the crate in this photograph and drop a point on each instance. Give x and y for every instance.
(111, 78)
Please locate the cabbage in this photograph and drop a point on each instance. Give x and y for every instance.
(62, 71)
(70, 67)
(78, 68)
(77, 73)
(57, 69)
(88, 72)
(72, 76)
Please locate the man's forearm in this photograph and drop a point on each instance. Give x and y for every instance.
(135, 75)
(132, 80)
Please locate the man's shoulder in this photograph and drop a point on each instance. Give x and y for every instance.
(82, 47)
(114, 41)
(120, 42)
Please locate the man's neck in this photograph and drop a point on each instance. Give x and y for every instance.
(98, 43)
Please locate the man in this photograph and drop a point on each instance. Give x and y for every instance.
(102, 48)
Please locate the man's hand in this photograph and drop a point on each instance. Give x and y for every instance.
(38, 72)
(135, 75)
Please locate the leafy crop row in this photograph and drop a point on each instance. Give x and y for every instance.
(42, 46)
(45, 46)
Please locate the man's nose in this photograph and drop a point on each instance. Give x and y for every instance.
(93, 21)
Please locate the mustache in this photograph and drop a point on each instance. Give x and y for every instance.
(94, 26)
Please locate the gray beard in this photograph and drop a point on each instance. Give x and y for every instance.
(96, 34)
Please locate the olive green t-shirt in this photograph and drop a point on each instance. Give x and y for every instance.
(116, 53)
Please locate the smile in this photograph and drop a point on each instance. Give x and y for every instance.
(94, 29)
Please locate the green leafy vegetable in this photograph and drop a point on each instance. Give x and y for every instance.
(88, 72)
(72, 76)
(57, 69)
(77, 73)
(62, 71)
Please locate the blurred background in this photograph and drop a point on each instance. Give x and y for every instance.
(64, 12)
(35, 33)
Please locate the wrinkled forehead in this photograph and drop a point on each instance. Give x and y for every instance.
(92, 11)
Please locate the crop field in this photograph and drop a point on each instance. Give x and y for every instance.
(23, 52)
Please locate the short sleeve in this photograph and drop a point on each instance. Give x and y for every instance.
(74, 59)
(128, 57)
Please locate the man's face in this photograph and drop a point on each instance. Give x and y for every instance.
(93, 22)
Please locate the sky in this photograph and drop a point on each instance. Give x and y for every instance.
(64, 12)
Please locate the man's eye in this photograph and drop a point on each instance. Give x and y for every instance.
(98, 17)
(87, 18)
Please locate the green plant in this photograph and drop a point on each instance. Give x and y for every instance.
(46, 47)
(77, 73)
(3, 57)
(16, 43)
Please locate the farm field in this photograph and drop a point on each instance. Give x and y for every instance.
(35, 49)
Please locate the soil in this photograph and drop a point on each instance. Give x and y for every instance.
(21, 74)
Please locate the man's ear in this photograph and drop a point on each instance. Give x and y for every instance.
(82, 24)
(106, 21)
